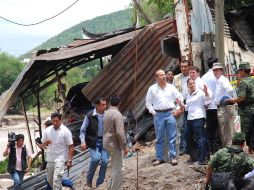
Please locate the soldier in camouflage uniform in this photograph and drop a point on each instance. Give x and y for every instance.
(231, 159)
(245, 99)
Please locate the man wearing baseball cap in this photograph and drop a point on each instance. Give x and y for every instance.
(245, 99)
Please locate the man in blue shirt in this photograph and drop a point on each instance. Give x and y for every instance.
(91, 136)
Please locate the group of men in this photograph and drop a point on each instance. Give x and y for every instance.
(171, 92)
(103, 132)
(195, 102)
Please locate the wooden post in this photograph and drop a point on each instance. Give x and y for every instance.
(39, 118)
(27, 124)
(101, 63)
(61, 88)
(219, 30)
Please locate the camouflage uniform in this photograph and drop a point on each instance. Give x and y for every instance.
(221, 162)
(246, 108)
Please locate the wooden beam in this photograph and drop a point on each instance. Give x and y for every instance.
(39, 118)
(27, 124)
(219, 31)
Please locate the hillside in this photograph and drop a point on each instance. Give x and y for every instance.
(106, 23)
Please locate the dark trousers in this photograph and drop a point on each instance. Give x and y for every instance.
(196, 139)
(212, 130)
(183, 143)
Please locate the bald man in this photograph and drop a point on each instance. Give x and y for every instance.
(160, 103)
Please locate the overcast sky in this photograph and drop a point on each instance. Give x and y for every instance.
(17, 40)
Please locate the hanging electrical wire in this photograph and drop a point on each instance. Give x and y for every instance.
(32, 24)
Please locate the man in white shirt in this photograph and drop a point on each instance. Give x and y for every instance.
(225, 113)
(223, 86)
(180, 82)
(212, 123)
(60, 149)
(160, 103)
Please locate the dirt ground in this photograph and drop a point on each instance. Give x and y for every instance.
(161, 177)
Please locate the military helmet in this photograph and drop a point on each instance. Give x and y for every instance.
(243, 66)
(238, 138)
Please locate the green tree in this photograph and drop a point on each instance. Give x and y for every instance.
(10, 68)
(154, 9)
(73, 77)
(164, 6)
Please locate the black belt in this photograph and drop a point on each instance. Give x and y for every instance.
(166, 110)
(99, 137)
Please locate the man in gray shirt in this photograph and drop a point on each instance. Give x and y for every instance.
(114, 141)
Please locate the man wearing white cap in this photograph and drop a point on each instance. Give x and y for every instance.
(212, 123)
(225, 113)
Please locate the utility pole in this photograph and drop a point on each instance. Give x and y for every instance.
(219, 30)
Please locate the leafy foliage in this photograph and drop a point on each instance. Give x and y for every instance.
(10, 68)
(164, 6)
(3, 165)
(154, 9)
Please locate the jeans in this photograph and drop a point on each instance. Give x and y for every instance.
(17, 177)
(196, 139)
(98, 156)
(165, 123)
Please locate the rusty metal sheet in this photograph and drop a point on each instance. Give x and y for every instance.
(142, 56)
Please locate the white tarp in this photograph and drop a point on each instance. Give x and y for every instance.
(201, 20)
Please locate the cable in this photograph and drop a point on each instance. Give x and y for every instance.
(135, 100)
(13, 22)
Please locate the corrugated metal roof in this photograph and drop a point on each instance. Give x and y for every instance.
(47, 62)
(118, 77)
(89, 48)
